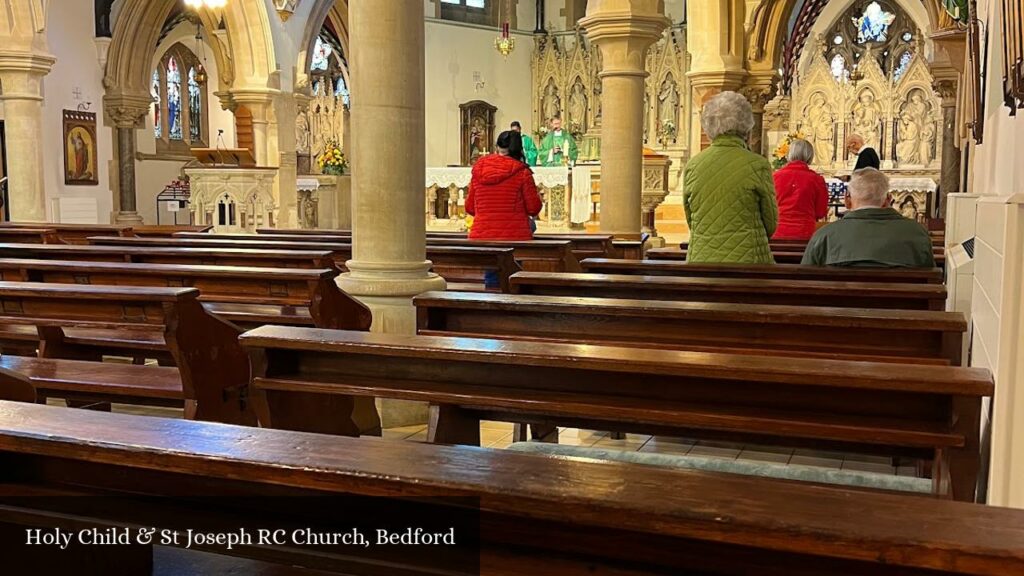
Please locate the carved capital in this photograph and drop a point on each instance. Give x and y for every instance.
(946, 89)
(758, 96)
(127, 110)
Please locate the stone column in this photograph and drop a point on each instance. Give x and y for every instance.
(389, 264)
(21, 76)
(759, 90)
(623, 30)
(126, 114)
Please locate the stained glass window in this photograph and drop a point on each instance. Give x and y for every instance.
(903, 66)
(873, 24)
(158, 127)
(174, 99)
(321, 55)
(341, 91)
(839, 71)
(195, 107)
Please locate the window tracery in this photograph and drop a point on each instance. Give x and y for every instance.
(179, 102)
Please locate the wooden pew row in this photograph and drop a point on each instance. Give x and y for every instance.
(248, 297)
(531, 255)
(465, 267)
(540, 516)
(782, 255)
(837, 333)
(211, 373)
(74, 233)
(761, 271)
(29, 235)
(584, 245)
(165, 255)
(793, 245)
(169, 230)
(308, 379)
(737, 290)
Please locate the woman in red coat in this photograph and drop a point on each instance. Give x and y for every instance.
(502, 195)
(801, 193)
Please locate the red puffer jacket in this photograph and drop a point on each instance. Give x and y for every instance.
(502, 195)
(803, 200)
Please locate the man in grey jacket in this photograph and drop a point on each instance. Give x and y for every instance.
(870, 233)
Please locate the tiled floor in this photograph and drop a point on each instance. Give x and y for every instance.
(499, 435)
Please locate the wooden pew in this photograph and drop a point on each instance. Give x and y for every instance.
(302, 377)
(761, 271)
(784, 292)
(463, 266)
(211, 373)
(168, 230)
(16, 388)
(74, 233)
(838, 333)
(533, 255)
(29, 235)
(540, 516)
(248, 297)
(782, 255)
(167, 255)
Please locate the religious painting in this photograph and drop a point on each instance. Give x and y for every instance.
(80, 162)
(477, 130)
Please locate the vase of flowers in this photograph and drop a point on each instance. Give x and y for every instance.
(781, 154)
(541, 133)
(667, 133)
(332, 161)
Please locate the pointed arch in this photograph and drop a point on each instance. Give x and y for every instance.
(330, 13)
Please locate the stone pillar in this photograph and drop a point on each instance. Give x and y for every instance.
(389, 264)
(759, 90)
(21, 76)
(623, 30)
(126, 114)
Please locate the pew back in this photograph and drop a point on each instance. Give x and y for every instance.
(168, 255)
(75, 233)
(761, 271)
(738, 290)
(545, 516)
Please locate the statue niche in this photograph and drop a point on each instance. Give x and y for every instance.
(578, 107)
(820, 128)
(477, 130)
(916, 130)
(867, 118)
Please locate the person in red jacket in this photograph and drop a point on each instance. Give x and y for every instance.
(801, 193)
(503, 198)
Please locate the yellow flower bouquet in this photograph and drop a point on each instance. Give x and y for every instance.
(781, 154)
(332, 161)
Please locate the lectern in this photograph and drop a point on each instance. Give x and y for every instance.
(240, 157)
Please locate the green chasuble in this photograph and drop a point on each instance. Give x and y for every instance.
(529, 150)
(561, 140)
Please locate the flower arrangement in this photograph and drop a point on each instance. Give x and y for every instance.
(576, 130)
(468, 222)
(780, 156)
(667, 133)
(541, 132)
(332, 161)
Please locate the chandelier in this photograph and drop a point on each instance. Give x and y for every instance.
(505, 43)
(197, 4)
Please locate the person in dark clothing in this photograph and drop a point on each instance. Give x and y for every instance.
(871, 233)
(867, 157)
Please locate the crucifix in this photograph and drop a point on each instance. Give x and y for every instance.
(77, 93)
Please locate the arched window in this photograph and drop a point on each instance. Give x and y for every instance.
(179, 102)
(878, 25)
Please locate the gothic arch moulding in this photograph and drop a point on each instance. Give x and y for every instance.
(239, 34)
(332, 13)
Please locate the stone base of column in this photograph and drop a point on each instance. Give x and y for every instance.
(129, 218)
(388, 291)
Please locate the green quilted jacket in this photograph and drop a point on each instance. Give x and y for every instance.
(730, 204)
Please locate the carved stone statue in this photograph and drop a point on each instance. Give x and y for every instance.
(820, 129)
(578, 105)
(302, 135)
(668, 98)
(552, 102)
(867, 115)
(917, 131)
(908, 149)
(928, 134)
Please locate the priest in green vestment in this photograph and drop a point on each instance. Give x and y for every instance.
(558, 147)
(529, 147)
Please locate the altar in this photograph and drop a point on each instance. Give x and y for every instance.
(566, 192)
(913, 197)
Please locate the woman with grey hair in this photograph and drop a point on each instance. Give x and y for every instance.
(729, 195)
(801, 193)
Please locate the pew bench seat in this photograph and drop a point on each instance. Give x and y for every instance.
(100, 381)
(846, 478)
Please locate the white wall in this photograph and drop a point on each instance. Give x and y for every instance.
(453, 54)
(152, 175)
(70, 35)
(997, 176)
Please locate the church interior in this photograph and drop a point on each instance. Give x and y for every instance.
(252, 321)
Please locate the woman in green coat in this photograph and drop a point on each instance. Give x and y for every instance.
(729, 194)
